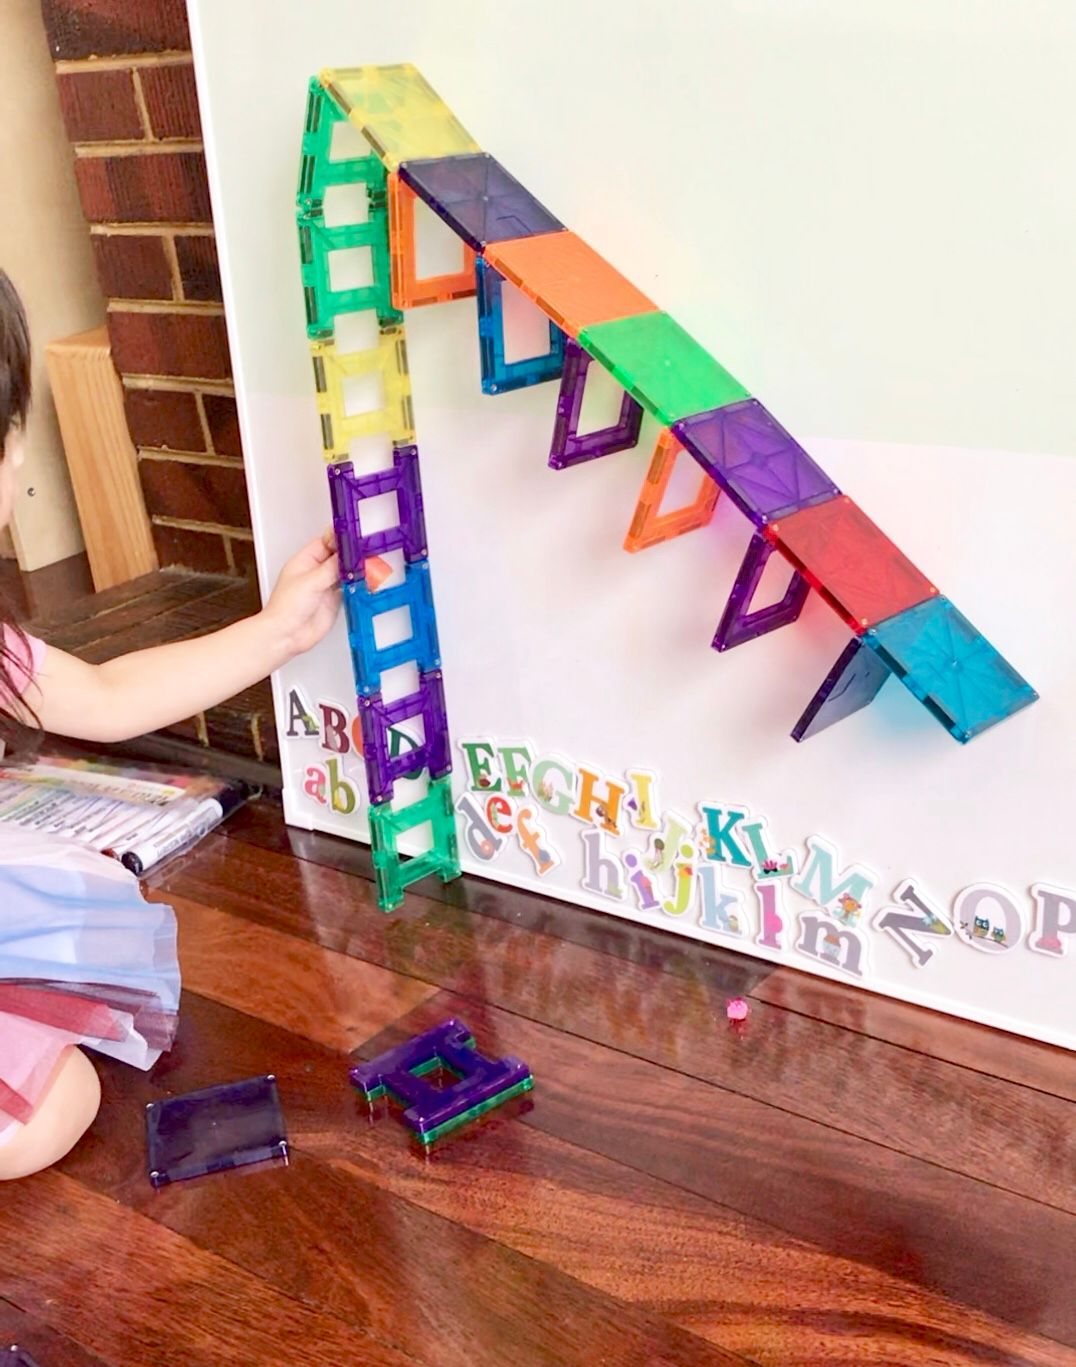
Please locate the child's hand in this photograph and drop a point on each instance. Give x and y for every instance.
(306, 599)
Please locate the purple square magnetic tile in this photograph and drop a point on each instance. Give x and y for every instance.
(215, 1129)
(16, 1357)
(347, 492)
(852, 683)
(763, 470)
(478, 198)
(378, 720)
(449, 1046)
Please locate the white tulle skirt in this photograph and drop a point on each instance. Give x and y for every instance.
(84, 959)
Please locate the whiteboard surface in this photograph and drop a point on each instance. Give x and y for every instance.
(865, 218)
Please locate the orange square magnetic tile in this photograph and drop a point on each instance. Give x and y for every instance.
(568, 280)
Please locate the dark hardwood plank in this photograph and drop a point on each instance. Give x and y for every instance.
(328, 997)
(990, 1129)
(666, 1253)
(113, 1279)
(1027, 1061)
(945, 1232)
(193, 616)
(74, 607)
(261, 824)
(77, 609)
(914, 1219)
(97, 623)
(724, 1277)
(47, 1347)
(335, 1241)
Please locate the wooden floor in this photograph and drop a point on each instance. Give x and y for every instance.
(843, 1181)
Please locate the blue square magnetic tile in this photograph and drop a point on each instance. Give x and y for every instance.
(950, 667)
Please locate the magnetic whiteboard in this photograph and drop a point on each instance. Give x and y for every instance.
(861, 210)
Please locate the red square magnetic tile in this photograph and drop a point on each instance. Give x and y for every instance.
(850, 561)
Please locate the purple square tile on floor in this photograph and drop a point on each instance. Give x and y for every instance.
(16, 1357)
(478, 199)
(215, 1129)
(765, 472)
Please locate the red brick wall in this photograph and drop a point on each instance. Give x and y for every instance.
(126, 83)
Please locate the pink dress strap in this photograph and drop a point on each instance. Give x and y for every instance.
(23, 659)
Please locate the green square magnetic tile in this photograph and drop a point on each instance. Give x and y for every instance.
(662, 366)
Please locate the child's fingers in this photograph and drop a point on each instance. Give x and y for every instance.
(329, 539)
(318, 550)
(327, 573)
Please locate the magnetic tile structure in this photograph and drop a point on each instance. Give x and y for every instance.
(901, 624)
(431, 1112)
(396, 111)
(568, 280)
(498, 373)
(571, 448)
(740, 623)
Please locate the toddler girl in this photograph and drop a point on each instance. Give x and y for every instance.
(82, 957)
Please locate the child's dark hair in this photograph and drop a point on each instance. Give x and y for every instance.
(15, 394)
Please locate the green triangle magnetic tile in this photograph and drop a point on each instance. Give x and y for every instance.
(950, 667)
(662, 366)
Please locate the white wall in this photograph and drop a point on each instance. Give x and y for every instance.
(863, 211)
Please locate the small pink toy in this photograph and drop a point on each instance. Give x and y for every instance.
(736, 1009)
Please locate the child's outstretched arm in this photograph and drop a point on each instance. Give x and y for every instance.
(149, 689)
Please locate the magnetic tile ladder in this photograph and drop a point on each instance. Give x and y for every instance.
(901, 624)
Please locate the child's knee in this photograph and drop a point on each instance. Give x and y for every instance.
(64, 1114)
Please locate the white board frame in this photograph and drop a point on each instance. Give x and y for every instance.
(889, 786)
